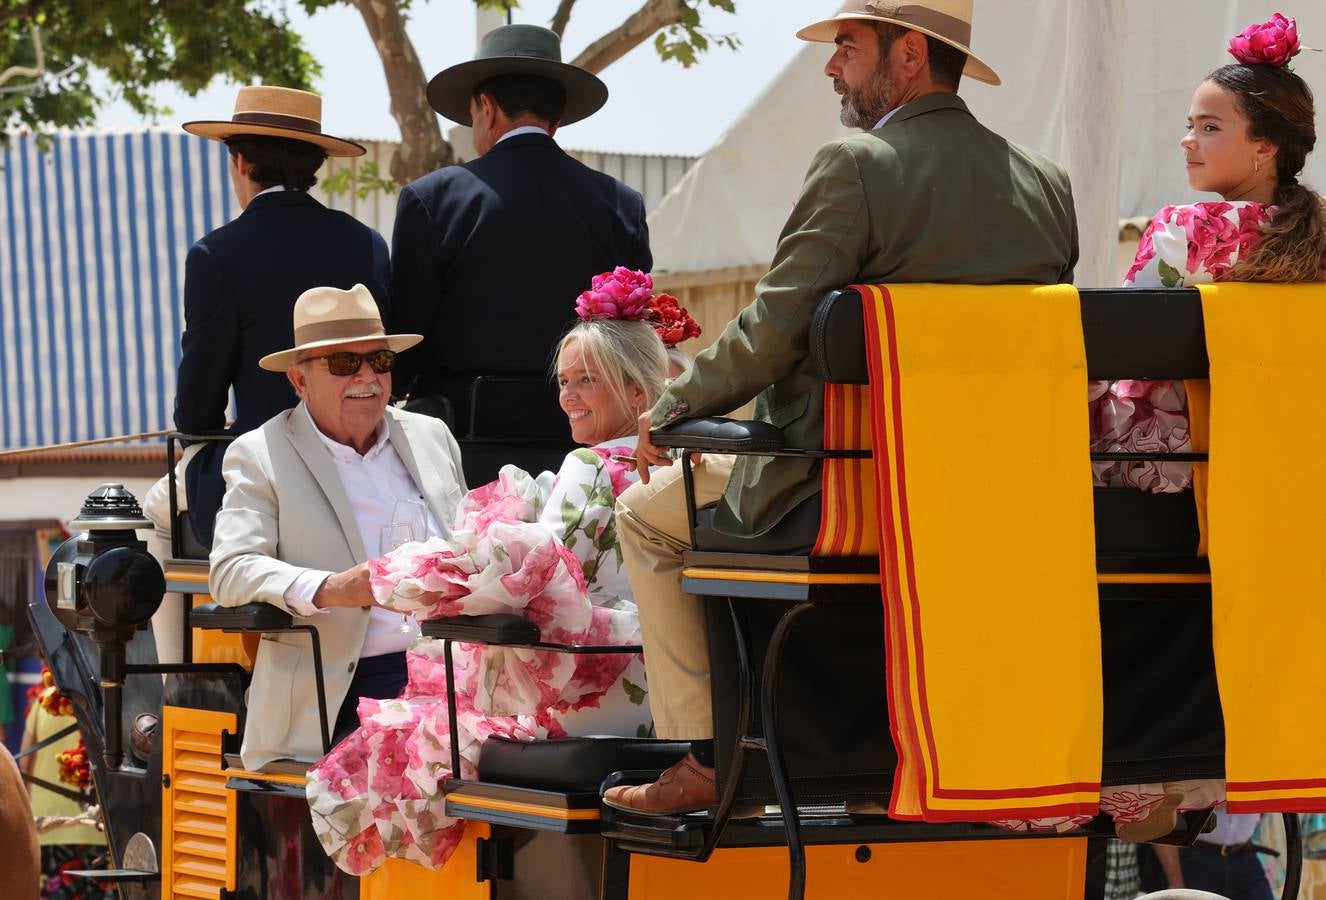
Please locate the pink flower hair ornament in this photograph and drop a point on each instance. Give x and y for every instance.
(629, 294)
(1271, 43)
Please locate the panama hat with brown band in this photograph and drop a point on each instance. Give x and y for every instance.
(945, 20)
(517, 50)
(325, 316)
(276, 112)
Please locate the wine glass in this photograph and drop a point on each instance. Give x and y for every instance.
(414, 514)
(409, 523)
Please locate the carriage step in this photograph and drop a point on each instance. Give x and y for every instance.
(115, 876)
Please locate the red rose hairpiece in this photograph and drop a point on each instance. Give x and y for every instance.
(629, 294)
(1270, 43)
(671, 320)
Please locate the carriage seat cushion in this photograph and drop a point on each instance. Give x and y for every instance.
(497, 628)
(794, 535)
(721, 435)
(573, 765)
(249, 617)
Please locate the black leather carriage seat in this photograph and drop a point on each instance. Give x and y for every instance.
(572, 765)
(250, 617)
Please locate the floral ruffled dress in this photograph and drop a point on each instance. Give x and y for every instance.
(543, 547)
(1183, 246)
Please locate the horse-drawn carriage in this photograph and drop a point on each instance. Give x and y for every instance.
(801, 711)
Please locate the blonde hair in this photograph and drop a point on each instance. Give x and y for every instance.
(626, 352)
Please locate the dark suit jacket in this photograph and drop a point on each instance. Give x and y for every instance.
(932, 196)
(240, 286)
(488, 258)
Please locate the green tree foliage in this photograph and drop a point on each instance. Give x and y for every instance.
(137, 45)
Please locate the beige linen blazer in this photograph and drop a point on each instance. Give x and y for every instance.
(285, 510)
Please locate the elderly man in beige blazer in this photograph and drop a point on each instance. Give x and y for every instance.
(307, 497)
(924, 194)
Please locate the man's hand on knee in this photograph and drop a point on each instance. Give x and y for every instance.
(647, 453)
(350, 588)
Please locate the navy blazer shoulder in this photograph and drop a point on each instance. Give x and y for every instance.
(240, 286)
(488, 257)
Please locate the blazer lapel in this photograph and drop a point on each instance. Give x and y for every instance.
(422, 469)
(323, 470)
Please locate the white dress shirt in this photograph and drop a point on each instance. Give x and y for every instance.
(523, 129)
(373, 483)
(885, 118)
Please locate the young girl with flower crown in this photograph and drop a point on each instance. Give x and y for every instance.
(543, 546)
(1250, 129)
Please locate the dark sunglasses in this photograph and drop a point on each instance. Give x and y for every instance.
(347, 363)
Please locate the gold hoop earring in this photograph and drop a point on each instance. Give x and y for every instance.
(1256, 165)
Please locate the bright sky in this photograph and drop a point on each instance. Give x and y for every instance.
(654, 107)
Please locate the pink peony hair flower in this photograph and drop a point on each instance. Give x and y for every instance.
(620, 294)
(1271, 43)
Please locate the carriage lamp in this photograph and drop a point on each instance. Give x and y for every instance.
(104, 584)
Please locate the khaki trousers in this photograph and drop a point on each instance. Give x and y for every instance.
(653, 529)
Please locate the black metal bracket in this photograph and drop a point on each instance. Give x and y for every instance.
(494, 859)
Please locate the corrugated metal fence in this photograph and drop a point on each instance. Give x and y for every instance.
(94, 228)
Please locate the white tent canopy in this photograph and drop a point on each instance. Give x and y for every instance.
(1111, 111)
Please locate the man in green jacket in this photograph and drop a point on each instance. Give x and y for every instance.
(925, 194)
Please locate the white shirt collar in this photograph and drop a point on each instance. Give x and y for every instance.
(523, 129)
(271, 190)
(885, 118)
(342, 451)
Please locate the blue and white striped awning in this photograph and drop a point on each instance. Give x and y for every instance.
(94, 229)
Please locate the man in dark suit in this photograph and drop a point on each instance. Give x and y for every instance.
(241, 281)
(488, 257)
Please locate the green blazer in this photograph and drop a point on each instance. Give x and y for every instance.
(932, 196)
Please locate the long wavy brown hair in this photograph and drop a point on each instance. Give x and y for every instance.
(1279, 108)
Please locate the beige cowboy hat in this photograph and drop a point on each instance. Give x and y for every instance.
(517, 50)
(275, 112)
(325, 316)
(945, 20)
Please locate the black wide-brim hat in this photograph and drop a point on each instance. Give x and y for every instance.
(516, 50)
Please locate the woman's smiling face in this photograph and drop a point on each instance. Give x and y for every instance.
(595, 414)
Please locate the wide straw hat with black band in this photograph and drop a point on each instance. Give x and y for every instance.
(946, 20)
(516, 50)
(275, 112)
(325, 316)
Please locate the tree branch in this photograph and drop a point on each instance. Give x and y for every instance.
(562, 16)
(637, 28)
(25, 71)
(422, 148)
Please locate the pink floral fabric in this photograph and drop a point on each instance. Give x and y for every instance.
(544, 547)
(1183, 246)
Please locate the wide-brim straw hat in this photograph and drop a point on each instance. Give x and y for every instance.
(325, 316)
(275, 112)
(517, 50)
(945, 20)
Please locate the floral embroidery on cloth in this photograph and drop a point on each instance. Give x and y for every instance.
(545, 548)
(1183, 246)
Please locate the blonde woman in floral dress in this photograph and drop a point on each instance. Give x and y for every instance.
(1250, 129)
(541, 546)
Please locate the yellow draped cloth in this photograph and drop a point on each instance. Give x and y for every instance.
(1267, 538)
(991, 619)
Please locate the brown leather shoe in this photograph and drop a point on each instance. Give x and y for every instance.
(1162, 819)
(684, 788)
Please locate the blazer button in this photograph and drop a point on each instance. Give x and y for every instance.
(350, 668)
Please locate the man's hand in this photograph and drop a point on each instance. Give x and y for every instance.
(350, 588)
(646, 453)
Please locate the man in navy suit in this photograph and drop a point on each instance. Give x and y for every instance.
(488, 257)
(241, 280)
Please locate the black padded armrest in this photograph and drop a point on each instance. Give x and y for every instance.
(249, 617)
(498, 628)
(719, 435)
